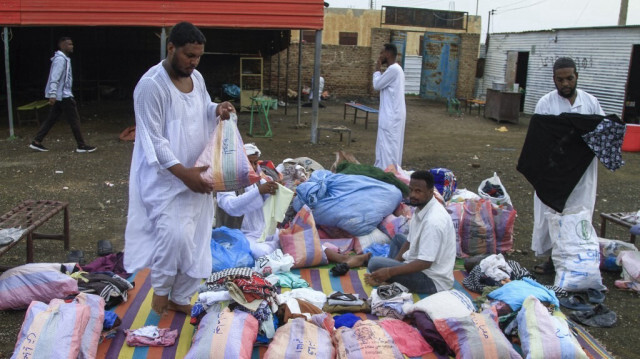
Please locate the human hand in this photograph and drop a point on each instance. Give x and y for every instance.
(379, 63)
(225, 109)
(192, 179)
(52, 101)
(268, 188)
(381, 275)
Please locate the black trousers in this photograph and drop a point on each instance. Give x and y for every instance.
(69, 109)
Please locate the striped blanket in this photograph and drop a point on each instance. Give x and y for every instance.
(136, 313)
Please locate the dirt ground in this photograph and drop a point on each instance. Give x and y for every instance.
(433, 139)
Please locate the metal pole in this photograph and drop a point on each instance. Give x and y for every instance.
(286, 84)
(163, 44)
(486, 42)
(622, 17)
(278, 82)
(316, 88)
(8, 76)
(298, 123)
(477, 1)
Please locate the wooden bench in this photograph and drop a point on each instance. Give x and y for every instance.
(617, 218)
(32, 106)
(29, 215)
(337, 129)
(361, 107)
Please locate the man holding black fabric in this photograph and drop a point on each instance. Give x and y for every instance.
(565, 99)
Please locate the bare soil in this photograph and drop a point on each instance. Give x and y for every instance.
(96, 184)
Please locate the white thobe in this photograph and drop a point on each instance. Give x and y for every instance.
(249, 204)
(392, 116)
(584, 193)
(168, 225)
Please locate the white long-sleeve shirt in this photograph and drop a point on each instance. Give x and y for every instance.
(392, 116)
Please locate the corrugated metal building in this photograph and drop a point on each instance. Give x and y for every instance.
(602, 55)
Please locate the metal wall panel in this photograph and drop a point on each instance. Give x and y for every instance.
(246, 14)
(602, 56)
(412, 67)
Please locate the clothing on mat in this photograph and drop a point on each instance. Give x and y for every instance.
(391, 290)
(346, 320)
(151, 337)
(242, 272)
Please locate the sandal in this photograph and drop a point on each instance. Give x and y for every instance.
(576, 302)
(545, 268)
(595, 296)
(600, 317)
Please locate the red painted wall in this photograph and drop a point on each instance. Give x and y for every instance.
(245, 14)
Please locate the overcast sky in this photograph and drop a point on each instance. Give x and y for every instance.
(521, 15)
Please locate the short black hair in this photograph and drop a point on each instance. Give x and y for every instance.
(392, 49)
(424, 176)
(63, 39)
(184, 33)
(564, 63)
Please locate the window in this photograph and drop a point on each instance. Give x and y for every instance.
(425, 17)
(309, 36)
(348, 38)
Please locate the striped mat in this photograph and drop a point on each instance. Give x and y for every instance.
(136, 313)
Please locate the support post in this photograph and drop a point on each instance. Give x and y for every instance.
(286, 84)
(163, 44)
(622, 17)
(298, 123)
(5, 38)
(316, 88)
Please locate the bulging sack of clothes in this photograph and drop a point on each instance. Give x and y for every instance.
(53, 330)
(230, 249)
(300, 339)
(477, 229)
(225, 334)
(493, 190)
(575, 251)
(301, 240)
(35, 281)
(229, 168)
(365, 340)
(610, 249)
(354, 203)
(445, 182)
(504, 218)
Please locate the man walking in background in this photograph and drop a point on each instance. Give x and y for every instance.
(58, 91)
(393, 111)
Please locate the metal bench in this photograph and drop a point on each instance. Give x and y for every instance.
(32, 106)
(29, 215)
(361, 107)
(338, 129)
(618, 218)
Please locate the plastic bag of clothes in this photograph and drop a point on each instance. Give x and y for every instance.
(302, 242)
(493, 190)
(477, 229)
(52, 331)
(445, 181)
(91, 336)
(365, 340)
(609, 251)
(300, 339)
(354, 203)
(504, 218)
(229, 168)
(230, 249)
(224, 334)
(576, 252)
(35, 281)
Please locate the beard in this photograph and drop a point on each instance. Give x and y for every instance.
(417, 203)
(566, 95)
(177, 70)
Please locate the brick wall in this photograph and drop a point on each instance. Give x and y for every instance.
(345, 69)
(469, 46)
(379, 37)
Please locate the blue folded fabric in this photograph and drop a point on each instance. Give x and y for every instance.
(515, 292)
(346, 320)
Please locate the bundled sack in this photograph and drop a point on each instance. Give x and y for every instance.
(493, 190)
(444, 304)
(406, 337)
(575, 252)
(477, 229)
(302, 242)
(35, 281)
(91, 336)
(365, 340)
(456, 211)
(224, 334)
(392, 225)
(610, 249)
(229, 168)
(476, 336)
(230, 249)
(445, 182)
(52, 331)
(300, 339)
(543, 335)
(504, 218)
(375, 237)
(630, 263)
(354, 203)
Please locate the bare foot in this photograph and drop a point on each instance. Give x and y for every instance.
(372, 282)
(358, 260)
(184, 308)
(160, 303)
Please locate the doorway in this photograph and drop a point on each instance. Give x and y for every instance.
(631, 113)
(521, 75)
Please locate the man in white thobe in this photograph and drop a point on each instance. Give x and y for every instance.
(249, 204)
(566, 98)
(393, 111)
(170, 205)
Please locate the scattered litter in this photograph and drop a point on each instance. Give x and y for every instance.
(65, 188)
(108, 184)
(101, 206)
(59, 172)
(489, 145)
(475, 157)
(502, 129)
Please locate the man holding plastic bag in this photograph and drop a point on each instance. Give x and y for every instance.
(170, 206)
